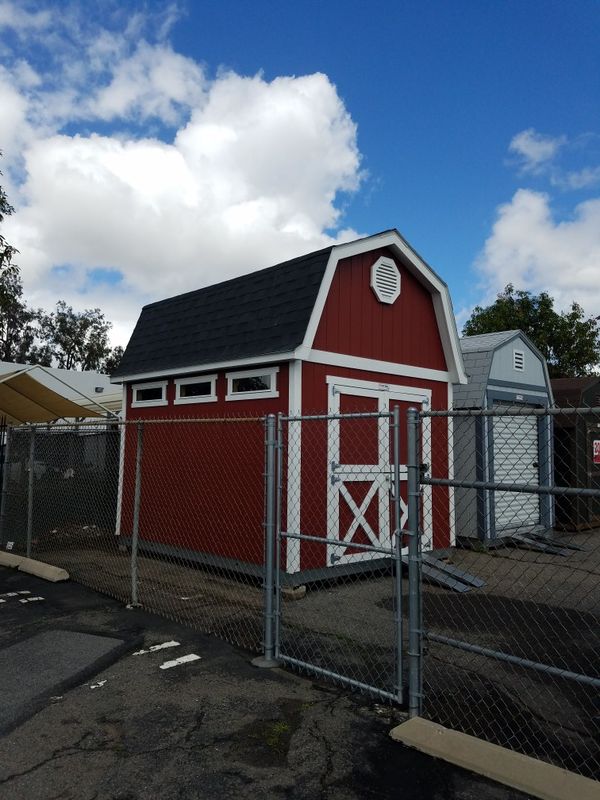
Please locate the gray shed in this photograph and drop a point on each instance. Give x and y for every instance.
(504, 369)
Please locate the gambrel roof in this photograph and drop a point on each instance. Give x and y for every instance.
(478, 352)
(258, 314)
(274, 311)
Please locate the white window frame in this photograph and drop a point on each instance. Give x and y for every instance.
(252, 373)
(522, 354)
(205, 398)
(149, 385)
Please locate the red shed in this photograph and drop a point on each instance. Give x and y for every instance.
(360, 326)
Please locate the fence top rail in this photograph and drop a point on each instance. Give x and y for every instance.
(350, 415)
(513, 411)
(107, 424)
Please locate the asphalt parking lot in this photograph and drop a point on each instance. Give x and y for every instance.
(209, 727)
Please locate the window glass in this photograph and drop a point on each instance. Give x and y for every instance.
(151, 393)
(199, 389)
(258, 383)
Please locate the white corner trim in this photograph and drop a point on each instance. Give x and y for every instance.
(295, 388)
(372, 365)
(417, 267)
(294, 467)
(147, 403)
(206, 398)
(122, 435)
(252, 373)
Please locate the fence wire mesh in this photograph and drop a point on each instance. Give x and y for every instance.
(516, 660)
(172, 514)
(338, 516)
(70, 499)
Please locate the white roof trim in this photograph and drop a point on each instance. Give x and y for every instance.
(417, 267)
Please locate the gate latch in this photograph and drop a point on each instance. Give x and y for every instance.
(423, 470)
(334, 478)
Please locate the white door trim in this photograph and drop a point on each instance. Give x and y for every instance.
(386, 394)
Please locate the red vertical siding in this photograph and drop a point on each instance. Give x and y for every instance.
(356, 323)
(202, 482)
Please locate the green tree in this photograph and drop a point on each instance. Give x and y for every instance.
(112, 360)
(76, 339)
(18, 322)
(569, 341)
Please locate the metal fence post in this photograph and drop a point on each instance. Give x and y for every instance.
(30, 492)
(278, 511)
(268, 657)
(414, 568)
(5, 480)
(136, 514)
(397, 556)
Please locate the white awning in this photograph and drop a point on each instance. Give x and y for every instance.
(24, 399)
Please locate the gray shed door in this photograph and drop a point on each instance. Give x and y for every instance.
(516, 461)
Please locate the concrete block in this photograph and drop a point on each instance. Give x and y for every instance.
(293, 592)
(9, 559)
(492, 761)
(42, 570)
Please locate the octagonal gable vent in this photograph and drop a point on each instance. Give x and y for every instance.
(385, 280)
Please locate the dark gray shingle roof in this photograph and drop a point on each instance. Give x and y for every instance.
(262, 313)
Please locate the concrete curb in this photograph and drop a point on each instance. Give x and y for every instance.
(492, 761)
(33, 567)
(42, 570)
(10, 560)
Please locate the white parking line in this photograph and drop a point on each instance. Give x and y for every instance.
(156, 647)
(181, 660)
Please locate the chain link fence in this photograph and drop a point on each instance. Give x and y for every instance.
(167, 514)
(516, 660)
(445, 560)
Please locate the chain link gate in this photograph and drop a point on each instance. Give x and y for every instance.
(515, 660)
(336, 503)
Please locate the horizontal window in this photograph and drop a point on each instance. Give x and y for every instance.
(149, 394)
(252, 384)
(199, 389)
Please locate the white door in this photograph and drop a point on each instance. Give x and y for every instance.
(516, 457)
(360, 504)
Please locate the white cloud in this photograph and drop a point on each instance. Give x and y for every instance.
(578, 179)
(534, 149)
(20, 20)
(251, 175)
(153, 82)
(533, 250)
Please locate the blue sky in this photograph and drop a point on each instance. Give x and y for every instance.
(155, 147)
